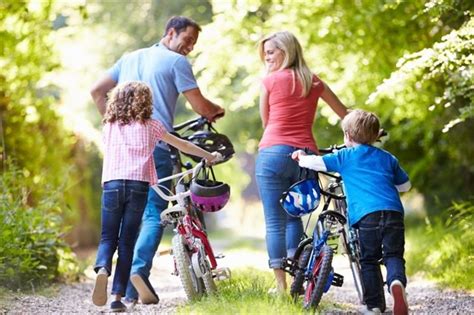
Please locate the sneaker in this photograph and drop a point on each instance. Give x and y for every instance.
(400, 305)
(145, 290)
(99, 295)
(117, 307)
(372, 311)
(130, 303)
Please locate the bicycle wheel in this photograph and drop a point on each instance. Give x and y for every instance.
(193, 286)
(319, 278)
(297, 285)
(209, 283)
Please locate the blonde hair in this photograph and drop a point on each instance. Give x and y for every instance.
(129, 102)
(293, 58)
(361, 126)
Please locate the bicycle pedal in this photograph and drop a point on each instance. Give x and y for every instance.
(219, 256)
(221, 274)
(337, 280)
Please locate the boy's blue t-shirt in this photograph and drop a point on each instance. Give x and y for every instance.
(166, 72)
(370, 177)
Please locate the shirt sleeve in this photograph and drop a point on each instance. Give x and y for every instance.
(334, 161)
(158, 130)
(183, 75)
(313, 162)
(267, 82)
(400, 176)
(114, 71)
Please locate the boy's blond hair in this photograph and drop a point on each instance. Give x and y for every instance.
(129, 102)
(361, 126)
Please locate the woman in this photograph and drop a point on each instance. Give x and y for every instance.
(288, 101)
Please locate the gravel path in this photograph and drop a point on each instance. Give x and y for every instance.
(423, 296)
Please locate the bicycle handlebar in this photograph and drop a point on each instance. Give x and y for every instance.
(179, 195)
(332, 148)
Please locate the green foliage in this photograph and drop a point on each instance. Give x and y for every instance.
(424, 48)
(31, 250)
(245, 293)
(443, 250)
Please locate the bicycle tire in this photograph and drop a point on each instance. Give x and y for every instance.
(320, 274)
(298, 280)
(192, 285)
(209, 283)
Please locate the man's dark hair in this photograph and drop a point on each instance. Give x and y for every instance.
(180, 23)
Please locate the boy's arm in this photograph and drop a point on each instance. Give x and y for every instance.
(313, 162)
(404, 187)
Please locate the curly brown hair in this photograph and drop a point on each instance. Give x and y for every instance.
(129, 102)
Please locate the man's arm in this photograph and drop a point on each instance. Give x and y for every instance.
(99, 92)
(202, 105)
(334, 102)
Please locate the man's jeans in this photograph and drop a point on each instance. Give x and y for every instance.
(275, 173)
(382, 236)
(151, 231)
(123, 202)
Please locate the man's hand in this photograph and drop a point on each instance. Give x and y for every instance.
(296, 155)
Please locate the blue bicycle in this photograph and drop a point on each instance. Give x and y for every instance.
(311, 265)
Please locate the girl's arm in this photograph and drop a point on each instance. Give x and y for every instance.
(264, 106)
(188, 147)
(334, 102)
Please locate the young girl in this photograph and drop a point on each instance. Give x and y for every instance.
(129, 136)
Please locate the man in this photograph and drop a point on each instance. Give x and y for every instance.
(167, 71)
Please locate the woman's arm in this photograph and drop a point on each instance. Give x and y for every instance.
(264, 106)
(333, 101)
(187, 147)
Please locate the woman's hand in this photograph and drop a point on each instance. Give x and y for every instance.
(296, 155)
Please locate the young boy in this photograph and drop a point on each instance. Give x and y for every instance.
(372, 180)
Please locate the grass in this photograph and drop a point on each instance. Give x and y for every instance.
(246, 293)
(443, 250)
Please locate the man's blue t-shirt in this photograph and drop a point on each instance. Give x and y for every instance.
(166, 72)
(370, 177)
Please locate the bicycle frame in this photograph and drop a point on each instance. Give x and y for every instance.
(185, 223)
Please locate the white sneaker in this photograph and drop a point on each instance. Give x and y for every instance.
(400, 305)
(99, 295)
(372, 311)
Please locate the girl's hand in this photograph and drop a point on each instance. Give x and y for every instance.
(296, 155)
(217, 158)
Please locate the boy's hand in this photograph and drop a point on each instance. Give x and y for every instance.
(296, 155)
(217, 158)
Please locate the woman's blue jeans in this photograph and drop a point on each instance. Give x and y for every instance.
(123, 202)
(275, 172)
(382, 236)
(151, 230)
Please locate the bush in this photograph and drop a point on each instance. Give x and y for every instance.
(31, 249)
(443, 250)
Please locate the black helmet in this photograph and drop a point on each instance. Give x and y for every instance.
(211, 141)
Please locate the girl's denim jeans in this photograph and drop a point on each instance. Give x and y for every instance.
(382, 236)
(275, 173)
(123, 202)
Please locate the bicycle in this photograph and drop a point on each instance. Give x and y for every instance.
(195, 262)
(311, 265)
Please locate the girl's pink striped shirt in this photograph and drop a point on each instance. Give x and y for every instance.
(128, 150)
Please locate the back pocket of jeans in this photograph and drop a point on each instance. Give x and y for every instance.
(138, 200)
(110, 199)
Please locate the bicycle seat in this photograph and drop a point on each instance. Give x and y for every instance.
(173, 213)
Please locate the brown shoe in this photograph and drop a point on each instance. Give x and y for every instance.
(400, 305)
(99, 295)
